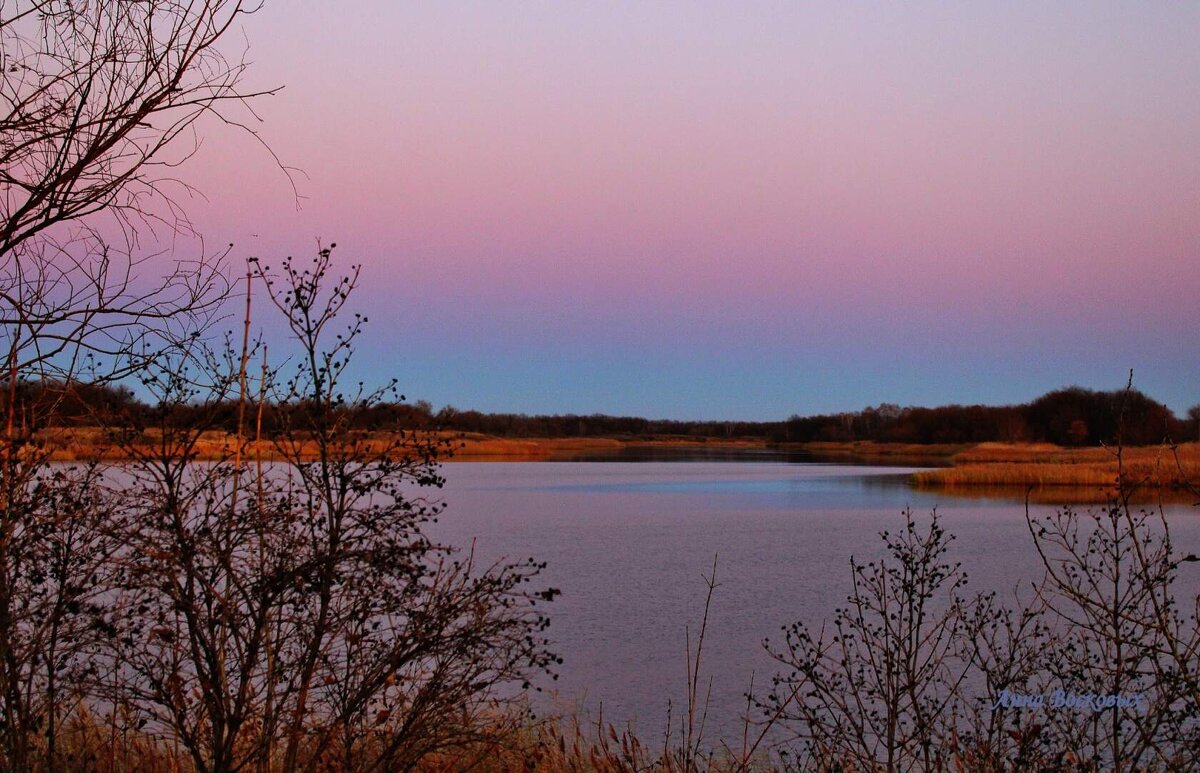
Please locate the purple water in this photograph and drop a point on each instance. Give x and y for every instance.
(628, 544)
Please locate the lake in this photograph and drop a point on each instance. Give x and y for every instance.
(629, 543)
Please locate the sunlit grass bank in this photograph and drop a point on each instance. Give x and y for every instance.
(1045, 465)
(1055, 472)
(871, 452)
(94, 443)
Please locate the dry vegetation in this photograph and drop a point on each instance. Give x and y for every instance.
(1049, 466)
(96, 742)
(1056, 474)
(69, 444)
(100, 444)
(872, 452)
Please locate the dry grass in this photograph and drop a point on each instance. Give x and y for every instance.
(568, 746)
(99, 742)
(488, 448)
(891, 453)
(481, 448)
(1045, 465)
(1047, 453)
(90, 742)
(94, 443)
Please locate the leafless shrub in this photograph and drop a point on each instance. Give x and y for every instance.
(1111, 590)
(881, 685)
(293, 615)
(1102, 660)
(99, 105)
(60, 536)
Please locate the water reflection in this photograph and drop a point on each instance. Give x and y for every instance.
(868, 477)
(702, 453)
(628, 543)
(681, 453)
(1063, 495)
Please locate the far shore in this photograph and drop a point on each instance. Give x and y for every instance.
(470, 447)
(956, 466)
(1046, 465)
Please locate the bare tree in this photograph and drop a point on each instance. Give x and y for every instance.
(1111, 588)
(293, 615)
(99, 106)
(1097, 670)
(100, 103)
(399, 646)
(62, 539)
(879, 688)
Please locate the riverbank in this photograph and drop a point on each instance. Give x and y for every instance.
(487, 448)
(1044, 465)
(962, 467)
(96, 444)
(870, 452)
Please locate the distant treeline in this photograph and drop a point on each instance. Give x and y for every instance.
(1073, 416)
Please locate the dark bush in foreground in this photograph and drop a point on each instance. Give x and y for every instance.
(243, 615)
(1099, 669)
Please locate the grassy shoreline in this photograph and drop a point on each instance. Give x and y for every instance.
(96, 444)
(488, 448)
(1045, 465)
(957, 466)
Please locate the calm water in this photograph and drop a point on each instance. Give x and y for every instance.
(628, 544)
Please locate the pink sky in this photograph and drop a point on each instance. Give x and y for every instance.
(737, 210)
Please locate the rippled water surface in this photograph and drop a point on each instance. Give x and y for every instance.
(628, 544)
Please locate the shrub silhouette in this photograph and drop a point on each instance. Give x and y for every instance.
(913, 673)
(294, 614)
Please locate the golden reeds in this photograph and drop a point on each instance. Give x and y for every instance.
(997, 464)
